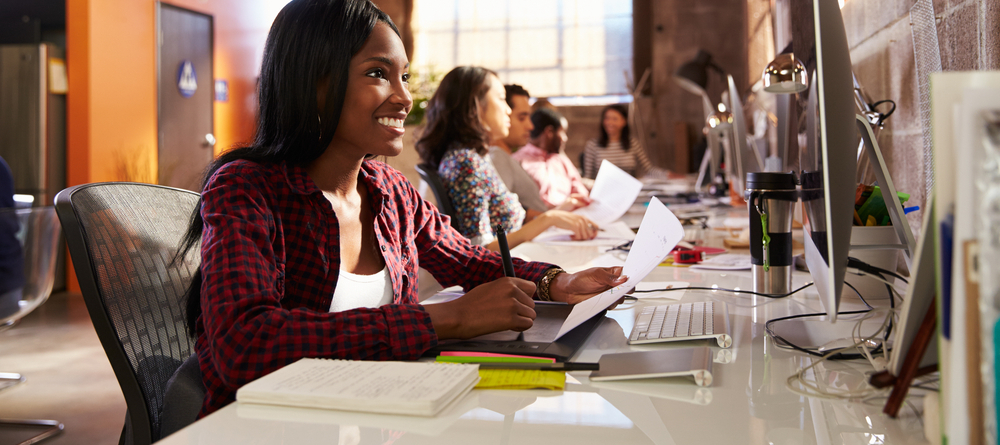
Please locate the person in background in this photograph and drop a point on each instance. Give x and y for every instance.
(11, 252)
(543, 158)
(542, 102)
(616, 145)
(468, 112)
(510, 171)
(310, 248)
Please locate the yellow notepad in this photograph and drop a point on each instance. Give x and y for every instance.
(521, 379)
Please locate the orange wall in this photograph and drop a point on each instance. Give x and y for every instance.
(111, 63)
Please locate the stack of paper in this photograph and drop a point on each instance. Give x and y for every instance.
(610, 235)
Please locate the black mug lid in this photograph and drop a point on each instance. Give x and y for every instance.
(770, 181)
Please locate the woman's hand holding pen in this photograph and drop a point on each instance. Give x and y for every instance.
(500, 305)
(574, 288)
(582, 228)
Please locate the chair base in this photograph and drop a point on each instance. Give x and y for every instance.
(9, 379)
(54, 427)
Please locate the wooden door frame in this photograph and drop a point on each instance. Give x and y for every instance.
(159, 84)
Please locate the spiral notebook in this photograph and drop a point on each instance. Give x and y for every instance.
(408, 388)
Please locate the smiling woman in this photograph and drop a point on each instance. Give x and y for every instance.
(309, 247)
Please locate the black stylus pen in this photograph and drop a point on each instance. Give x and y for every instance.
(508, 265)
(543, 366)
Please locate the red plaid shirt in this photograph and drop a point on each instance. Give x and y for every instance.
(270, 262)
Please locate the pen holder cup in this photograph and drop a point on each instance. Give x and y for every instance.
(771, 199)
(862, 239)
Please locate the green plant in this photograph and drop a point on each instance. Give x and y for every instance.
(135, 165)
(422, 87)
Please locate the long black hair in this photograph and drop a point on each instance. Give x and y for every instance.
(309, 46)
(453, 119)
(625, 140)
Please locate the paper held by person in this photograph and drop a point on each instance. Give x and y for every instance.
(659, 232)
(613, 194)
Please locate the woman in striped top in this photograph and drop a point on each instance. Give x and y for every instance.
(615, 145)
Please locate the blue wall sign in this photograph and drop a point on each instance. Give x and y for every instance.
(221, 90)
(187, 80)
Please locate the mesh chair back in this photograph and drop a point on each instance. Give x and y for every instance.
(430, 176)
(122, 239)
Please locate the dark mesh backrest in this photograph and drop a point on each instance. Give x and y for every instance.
(132, 232)
(430, 176)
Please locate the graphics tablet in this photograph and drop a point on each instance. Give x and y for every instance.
(538, 341)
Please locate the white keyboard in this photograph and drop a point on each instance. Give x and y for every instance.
(683, 321)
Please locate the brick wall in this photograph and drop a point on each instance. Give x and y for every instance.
(880, 38)
(678, 29)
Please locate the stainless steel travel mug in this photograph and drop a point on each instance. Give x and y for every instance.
(771, 198)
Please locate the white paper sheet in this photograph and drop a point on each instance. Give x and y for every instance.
(610, 235)
(659, 232)
(613, 193)
(606, 260)
(728, 261)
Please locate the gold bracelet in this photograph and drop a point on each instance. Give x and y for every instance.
(546, 282)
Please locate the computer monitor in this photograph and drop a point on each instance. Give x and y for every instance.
(828, 160)
(746, 156)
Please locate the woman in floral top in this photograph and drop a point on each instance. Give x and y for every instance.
(468, 111)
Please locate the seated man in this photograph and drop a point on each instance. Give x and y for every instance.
(510, 171)
(557, 178)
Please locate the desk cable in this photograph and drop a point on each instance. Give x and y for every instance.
(735, 291)
(811, 388)
(856, 267)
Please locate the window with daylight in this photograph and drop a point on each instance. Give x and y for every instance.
(551, 47)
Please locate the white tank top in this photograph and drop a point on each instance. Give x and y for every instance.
(356, 291)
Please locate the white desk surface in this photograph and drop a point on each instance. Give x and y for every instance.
(748, 402)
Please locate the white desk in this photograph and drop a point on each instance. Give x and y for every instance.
(747, 404)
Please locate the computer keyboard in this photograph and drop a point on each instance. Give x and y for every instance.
(683, 321)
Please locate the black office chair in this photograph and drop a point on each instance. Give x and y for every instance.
(122, 239)
(430, 176)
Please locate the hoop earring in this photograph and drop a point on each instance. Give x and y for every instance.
(318, 119)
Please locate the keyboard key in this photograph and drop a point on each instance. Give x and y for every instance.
(698, 319)
(670, 323)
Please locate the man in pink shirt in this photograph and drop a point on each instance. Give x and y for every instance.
(543, 158)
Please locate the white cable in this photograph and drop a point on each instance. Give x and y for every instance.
(812, 389)
(862, 273)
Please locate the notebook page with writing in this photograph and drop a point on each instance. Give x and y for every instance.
(659, 232)
(410, 388)
(613, 194)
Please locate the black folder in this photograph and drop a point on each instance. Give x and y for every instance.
(539, 340)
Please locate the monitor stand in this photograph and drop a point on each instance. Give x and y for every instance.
(896, 214)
